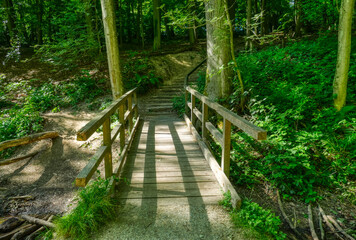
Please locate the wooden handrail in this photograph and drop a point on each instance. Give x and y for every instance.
(222, 171)
(109, 136)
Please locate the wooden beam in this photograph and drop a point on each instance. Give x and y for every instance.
(204, 121)
(87, 172)
(107, 143)
(219, 174)
(16, 159)
(252, 130)
(115, 132)
(225, 158)
(28, 139)
(85, 132)
(215, 132)
(198, 114)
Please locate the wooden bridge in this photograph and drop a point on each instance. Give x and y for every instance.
(164, 160)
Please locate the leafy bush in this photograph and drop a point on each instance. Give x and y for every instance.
(94, 208)
(309, 143)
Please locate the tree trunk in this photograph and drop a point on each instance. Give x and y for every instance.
(192, 30)
(219, 75)
(9, 6)
(297, 13)
(263, 17)
(39, 4)
(129, 21)
(112, 47)
(156, 25)
(343, 55)
(89, 19)
(248, 25)
(142, 33)
(121, 29)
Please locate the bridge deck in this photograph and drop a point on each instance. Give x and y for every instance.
(165, 165)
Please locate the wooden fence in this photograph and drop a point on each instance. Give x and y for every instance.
(224, 139)
(126, 107)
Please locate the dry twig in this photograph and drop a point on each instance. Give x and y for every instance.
(311, 223)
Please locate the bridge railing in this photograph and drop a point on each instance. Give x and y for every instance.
(223, 138)
(126, 107)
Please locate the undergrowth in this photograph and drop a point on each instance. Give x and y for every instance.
(94, 208)
(264, 223)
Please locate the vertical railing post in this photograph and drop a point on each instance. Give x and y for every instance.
(107, 143)
(225, 161)
(136, 104)
(204, 131)
(186, 101)
(192, 115)
(129, 106)
(122, 122)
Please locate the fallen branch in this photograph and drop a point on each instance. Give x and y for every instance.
(280, 204)
(33, 235)
(37, 221)
(311, 223)
(322, 232)
(328, 223)
(332, 220)
(28, 139)
(8, 236)
(24, 232)
(10, 224)
(16, 159)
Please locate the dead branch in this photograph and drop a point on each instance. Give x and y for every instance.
(24, 232)
(37, 221)
(28, 139)
(332, 220)
(10, 224)
(322, 232)
(328, 223)
(280, 204)
(311, 223)
(25, 197)
(16, 159)
(33, 235)
(8, 235)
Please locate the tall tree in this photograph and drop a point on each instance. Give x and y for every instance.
(248, 25)
(40, 6)
(263, 17)
(343, 54)
(219, 74)
(9, 6)
(297, 16)
(156, 25)
(112, 47)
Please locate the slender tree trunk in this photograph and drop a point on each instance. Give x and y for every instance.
(343, 55)
(10, 11)
(39, 4)
(121, 29)
(142, 33)
(263, 17)
(112, 47)
(297, 13)
(256, 12)
(89, 19)
(156, 25)
(219, 74)
(248, 25)
(129, 21)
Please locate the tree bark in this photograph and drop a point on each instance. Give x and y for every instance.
(297, 13)
(248, 25)
(343, 55)
(39, 4)
(156, 25)
(112, 47)
(219, 74)
(263, 17)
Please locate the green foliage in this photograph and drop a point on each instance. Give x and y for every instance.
(93, 210)
(289, 94)
(264, 221)
(140, 73)
(179, 105)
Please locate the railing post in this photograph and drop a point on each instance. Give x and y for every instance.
(122, 122)
(192, 115)
(136, 103)
(107, 142)
(129, 106)
(186, 100)
(204, 132)
(225, 161)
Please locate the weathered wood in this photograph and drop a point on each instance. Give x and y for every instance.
(37, 221)
(311, 223)
(28, 139)
(252, 130)
(205, 110)
(186, 96)
(225, 159)
(170, 194)
(198, 114)
(339, 228)
(16, 159)
(122, 122)
(129, 104)
(215, 132)
(219, 174)
(88, 171)
(107, 143)
(85, 132)
(192, 115)
(135, 103)
(10, 224)
(115, 132)
(7, 236)
(329, 224)
(24, 232)
(33, 235)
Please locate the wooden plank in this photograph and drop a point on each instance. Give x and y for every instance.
(169, 186)
(176, 168)
(252, 130)
(85, 132)
(135, 105)
(179, 179)
(169, 194)
(219, 174)
(88, 171)
(172, 174)
(107, 143)
(215, 132)
(28, 139)
(122, 122)
(189, 105)
(191, 201)
(192, 116)
(198, 114)
(225, 158)
(115, 132)
(205, 115)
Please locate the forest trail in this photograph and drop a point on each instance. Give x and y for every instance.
(169, 190)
